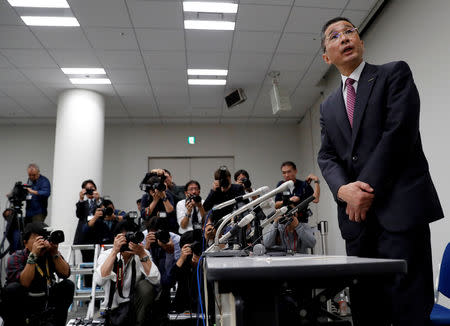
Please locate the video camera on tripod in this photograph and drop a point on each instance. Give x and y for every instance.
(19, 193)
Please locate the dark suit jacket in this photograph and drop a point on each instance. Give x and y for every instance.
(82, 212)
(384, 149)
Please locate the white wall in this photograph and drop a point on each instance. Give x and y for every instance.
(260, 149)
(20, 146)
(414, 31)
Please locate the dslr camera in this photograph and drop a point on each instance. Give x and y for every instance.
(108, 211)
(223, 177)
(89, 191)
(135, 237)
(153, 181)
(55, 237)
(196, 248)
(247, 183)
(195, 198)
(163, 236)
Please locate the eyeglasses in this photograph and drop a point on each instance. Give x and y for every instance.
(337, 35)
(193, 188)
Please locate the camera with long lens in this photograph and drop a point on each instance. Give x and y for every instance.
(246, 182)
(55, 237)
(223, 177)
(153, 181)
(195, 198)
(19, 192)
(135, 237)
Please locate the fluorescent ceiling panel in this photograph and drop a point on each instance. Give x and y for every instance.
(50, 21)
(209, 24)
(207, 72)
(205, 82)
(39, 3)
(90, 81)
(219, 7)
(84, 71)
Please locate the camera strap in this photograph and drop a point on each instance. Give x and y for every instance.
(288, 240)
(120, 277)
(47, 276)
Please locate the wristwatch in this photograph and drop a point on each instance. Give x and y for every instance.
(144, 259)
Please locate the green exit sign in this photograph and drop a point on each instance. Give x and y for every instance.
(191, 140)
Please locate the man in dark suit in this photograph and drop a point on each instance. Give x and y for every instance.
(372, 159)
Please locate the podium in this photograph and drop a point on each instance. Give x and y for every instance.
(247, 289)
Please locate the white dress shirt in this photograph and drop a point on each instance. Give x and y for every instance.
(153, 277)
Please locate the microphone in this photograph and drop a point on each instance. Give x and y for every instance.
(257, 192)
(270, 218)
(287, 185)
(235, 229)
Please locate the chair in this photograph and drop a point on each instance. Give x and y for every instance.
(440, 315)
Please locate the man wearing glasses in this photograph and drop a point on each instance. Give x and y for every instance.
(372, 159)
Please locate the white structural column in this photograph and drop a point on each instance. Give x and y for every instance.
(79, 139)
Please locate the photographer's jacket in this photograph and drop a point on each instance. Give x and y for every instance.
(153, 277)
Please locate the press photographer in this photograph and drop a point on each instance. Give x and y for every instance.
(157, 201)
(192, 245)
(222, 190)
(129, 278)
(293, 236)
(38, 193)
(242, 178)
(164, 247)
(190, 211)
(101, 226)
(32, 296)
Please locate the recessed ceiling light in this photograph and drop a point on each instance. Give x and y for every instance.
(209, 24)
(207, 72)
(205, 82)
(84, 71)
(219, 7)
(92, 81)
(39, 3)
(50, 21)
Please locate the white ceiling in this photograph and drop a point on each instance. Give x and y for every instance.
(145, 51)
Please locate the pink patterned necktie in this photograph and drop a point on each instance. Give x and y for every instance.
(351, 97)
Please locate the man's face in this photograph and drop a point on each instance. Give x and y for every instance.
(193, 190)
(240, 177)
(33, 174)
(289, 173)
(168, 180)
(346, 50)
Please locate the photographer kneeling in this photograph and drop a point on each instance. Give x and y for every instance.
(128, 277)
(31, 295)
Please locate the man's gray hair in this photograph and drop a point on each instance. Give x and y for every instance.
(34, 166)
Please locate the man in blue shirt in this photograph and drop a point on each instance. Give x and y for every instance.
(38, 193)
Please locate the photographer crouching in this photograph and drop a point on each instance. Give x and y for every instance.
(128, 276)
(32, 296)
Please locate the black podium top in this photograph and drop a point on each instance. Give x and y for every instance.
(298, 266)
